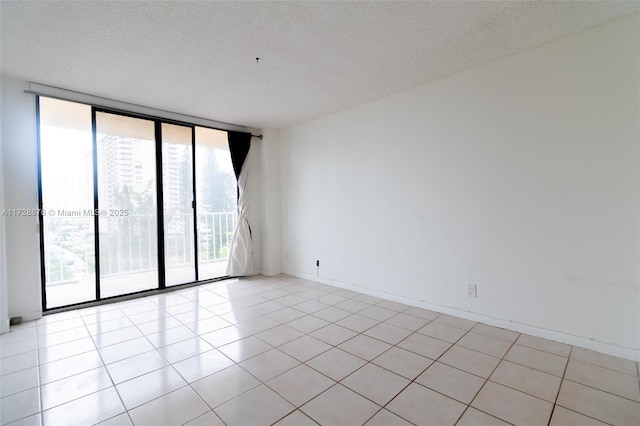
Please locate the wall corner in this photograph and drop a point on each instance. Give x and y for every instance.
(271, 247)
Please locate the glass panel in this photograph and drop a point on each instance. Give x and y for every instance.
(66, 160)
(216, 190)
(177, 183)
(127, 204)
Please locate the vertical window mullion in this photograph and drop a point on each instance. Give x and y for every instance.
(43, 274)
(160, 206)
(96, 217)
(195, 200)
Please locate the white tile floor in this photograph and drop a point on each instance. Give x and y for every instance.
(281, 350)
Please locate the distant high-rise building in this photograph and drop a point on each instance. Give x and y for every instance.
(123, 165)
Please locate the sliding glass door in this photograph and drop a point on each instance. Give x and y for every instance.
(130, 203)
(217, 206)
(178, 200)
(128, 213)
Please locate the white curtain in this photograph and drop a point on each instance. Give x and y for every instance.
(241, 252)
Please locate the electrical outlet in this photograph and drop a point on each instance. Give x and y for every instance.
(472, 291)
(317, 263)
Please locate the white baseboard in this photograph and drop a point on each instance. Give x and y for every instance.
(555, 335)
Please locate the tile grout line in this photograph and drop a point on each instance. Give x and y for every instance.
(485, 380)
(335, 346)
(38, 364)
(237, 363)
(105, 364)
(188, 384)
(600, 390)
(155, 349)
(426, 368)
(199, 335)
(331, 346)
(605, 367)
(534, 368)
(562, 380)
(108, 374)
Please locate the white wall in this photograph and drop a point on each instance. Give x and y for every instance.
(19, 175)
(4, 307)
(271, 244)
(520, 176)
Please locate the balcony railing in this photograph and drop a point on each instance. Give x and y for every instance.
(128, 244)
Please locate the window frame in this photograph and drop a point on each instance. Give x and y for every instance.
(158, 121)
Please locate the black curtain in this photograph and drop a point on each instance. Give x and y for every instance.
(239, 144)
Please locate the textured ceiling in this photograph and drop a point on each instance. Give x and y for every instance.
(198, 58)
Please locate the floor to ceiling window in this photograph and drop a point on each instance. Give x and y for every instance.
(130, 203)
(216, 189)
(127, 204)
(177, 182)
(66, 179)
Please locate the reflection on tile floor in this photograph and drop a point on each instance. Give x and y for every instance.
(282, 350)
